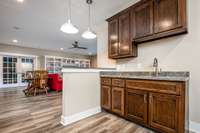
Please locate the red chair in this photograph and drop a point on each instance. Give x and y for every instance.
(55, 82)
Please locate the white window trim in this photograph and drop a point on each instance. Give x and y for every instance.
(15, 54)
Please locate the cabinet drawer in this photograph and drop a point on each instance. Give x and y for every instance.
(105, 81)
(155, 86)
(118, 82)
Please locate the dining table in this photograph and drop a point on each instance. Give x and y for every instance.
(30, 87)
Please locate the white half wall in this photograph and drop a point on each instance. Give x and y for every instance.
(81, 95)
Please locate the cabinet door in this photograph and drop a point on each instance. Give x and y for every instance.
(113, 38)
(167, 14)
(125, 44)
(106, 97)
(118, 100)
(163, 112)
(142, 20)
(136, 105)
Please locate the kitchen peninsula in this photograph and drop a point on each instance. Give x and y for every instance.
(81, 94)
(157, 102)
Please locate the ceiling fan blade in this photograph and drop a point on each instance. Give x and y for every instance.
(74, 45)
(82, 47)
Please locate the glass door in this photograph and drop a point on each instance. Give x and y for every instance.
(27, 64)
(10, 70)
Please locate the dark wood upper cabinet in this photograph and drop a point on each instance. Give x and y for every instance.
(119, 36)
(163, 112)
(168, 15)
(125, 42)
(142, 19)
(136, 105)
(113, 38)
(118, 100)
(145, 21)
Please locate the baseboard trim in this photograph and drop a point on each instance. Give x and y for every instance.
(12, 86)
(66, 120)
(194, 127)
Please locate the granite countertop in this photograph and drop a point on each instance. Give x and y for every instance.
(168, 76)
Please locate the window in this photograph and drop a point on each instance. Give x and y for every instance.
(27, 65)
(9, 70)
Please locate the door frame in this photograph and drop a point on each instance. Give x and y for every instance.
(19, 84)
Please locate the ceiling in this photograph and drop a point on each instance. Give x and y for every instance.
(40, 20)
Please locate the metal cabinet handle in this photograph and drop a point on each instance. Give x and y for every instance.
(145, 98)
(118, 82)
(104, 81)
(150, 99)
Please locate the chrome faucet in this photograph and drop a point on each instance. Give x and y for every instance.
(155, 66)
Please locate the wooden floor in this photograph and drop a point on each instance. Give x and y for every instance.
(41, 114)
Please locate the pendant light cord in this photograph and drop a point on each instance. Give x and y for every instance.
(69, 10)
(89, 17)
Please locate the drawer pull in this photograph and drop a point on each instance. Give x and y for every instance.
(118, 82)
(106, 81)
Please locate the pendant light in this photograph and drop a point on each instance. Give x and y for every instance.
(68, 27)
(89, 34)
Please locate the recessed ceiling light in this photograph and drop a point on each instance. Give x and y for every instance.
(21, 1)
(15, 41)
(61, 49)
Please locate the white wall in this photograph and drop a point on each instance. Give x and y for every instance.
(37, 52)
(181, 53)
(102, 48)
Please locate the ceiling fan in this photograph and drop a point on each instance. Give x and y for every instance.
(75, 45)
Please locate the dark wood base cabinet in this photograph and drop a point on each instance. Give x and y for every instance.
(163, 112)
(158, 105)
(136, 106)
